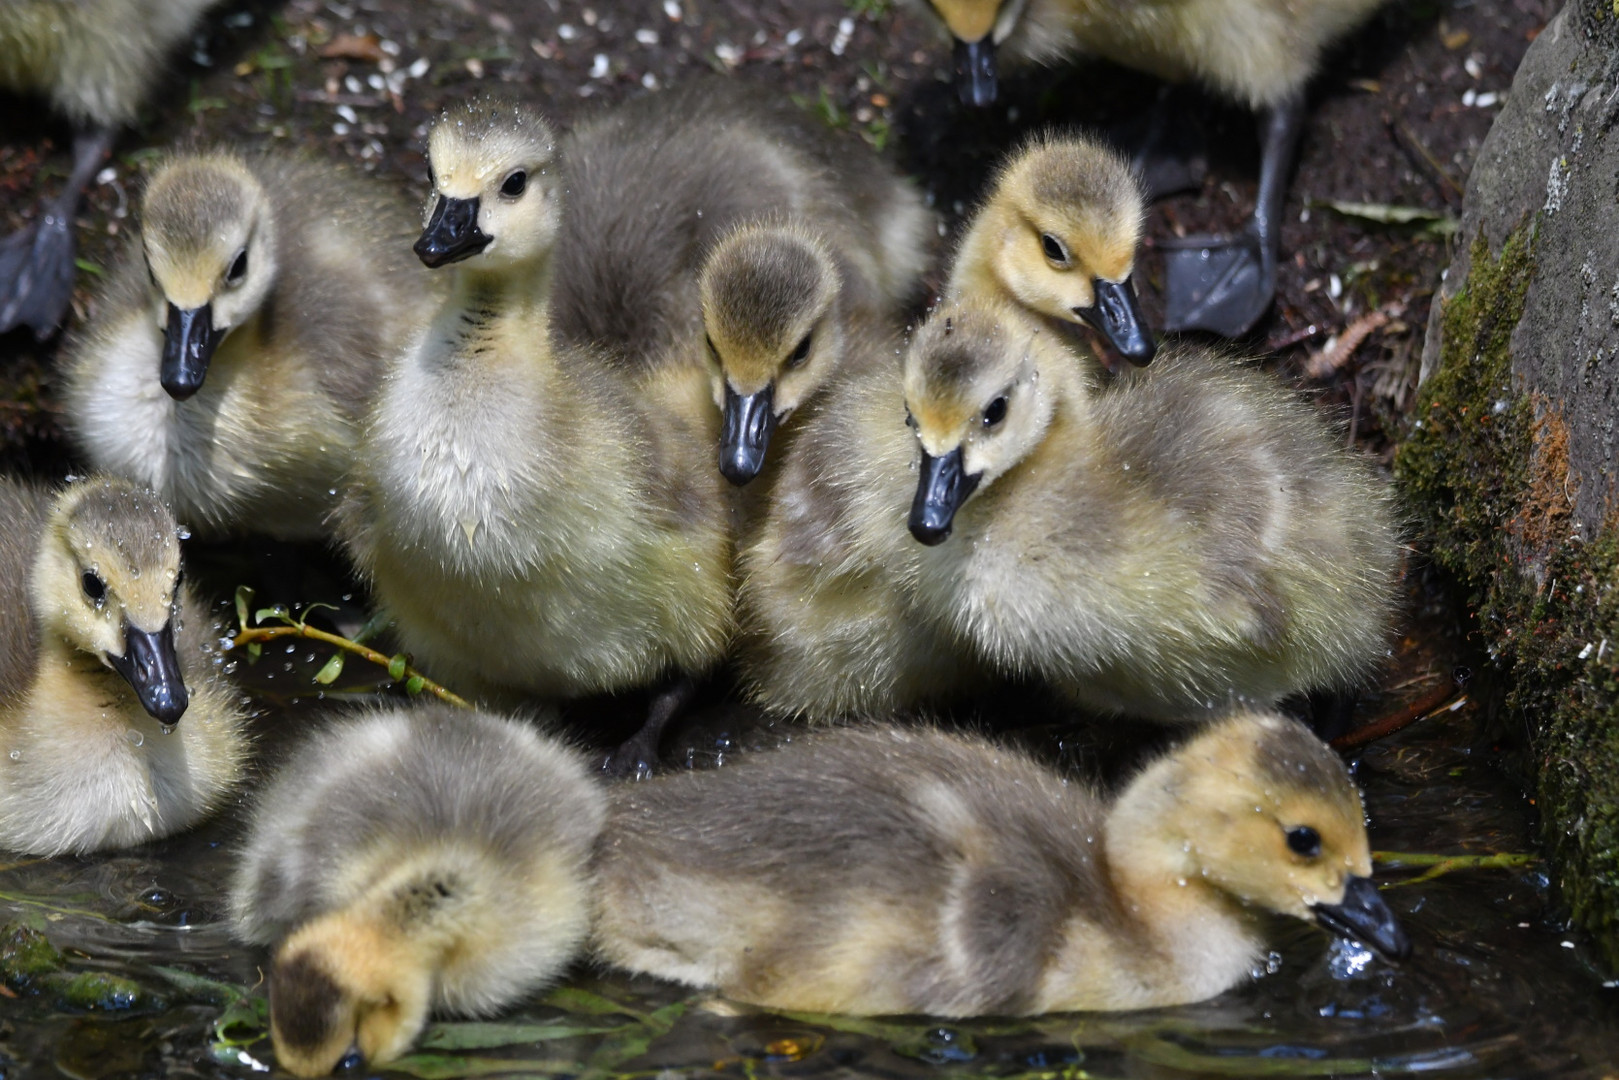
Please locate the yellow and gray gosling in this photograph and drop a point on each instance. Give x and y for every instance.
(1058, 235)
(233, 355)
(538, 519)
(828, 623)
(876, 871)
(95, 60)
(116, 726)
(409, 861)
(1258, 53)
(1194, 537)
(654, 184)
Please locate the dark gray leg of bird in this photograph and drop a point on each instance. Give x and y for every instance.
(638, 755)
(1168, 152)
(1224, 284)
(36, 263)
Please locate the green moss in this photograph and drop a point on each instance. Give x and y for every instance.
(26, 955)
(1470, 470)
(98, 990)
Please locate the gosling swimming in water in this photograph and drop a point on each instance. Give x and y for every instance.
(879, 870)
(408, 861)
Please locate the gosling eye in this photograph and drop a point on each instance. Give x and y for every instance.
(1054, 249)
(996, 412)
(150, 273)
(94, 587)
(238, 269)
(350, 1061)
(713, 350)
(515, 184)
(1305, 841)
(432, 177)
(910, 421)
(801, 352)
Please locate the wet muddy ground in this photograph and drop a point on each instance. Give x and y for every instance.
(116, 966)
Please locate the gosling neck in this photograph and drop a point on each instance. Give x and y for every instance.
(1206, 935)
(514, 286)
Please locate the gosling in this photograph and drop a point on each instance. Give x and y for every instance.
(408, 861)
(1194, 537)
(102, 652)
(539, 519)
(1258, 53)
(874, 870)
(243, 334)
(96, 61)
(1058, 235)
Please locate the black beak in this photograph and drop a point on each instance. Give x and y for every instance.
(745, 435)
(152, 667)
(452, 234)
(975, 72)
(1116, 316)
(1364, 917)
(940, 490)
(188, 344)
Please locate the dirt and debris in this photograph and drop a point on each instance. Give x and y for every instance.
(1397, 117)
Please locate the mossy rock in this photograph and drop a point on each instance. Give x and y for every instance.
(26, 956)
(1510, 461)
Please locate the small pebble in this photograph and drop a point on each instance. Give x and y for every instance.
(647, 37)
(599, 66)
(671, 8)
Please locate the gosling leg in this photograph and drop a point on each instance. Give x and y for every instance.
(36, 262)
(637, 756)
(1223, 284)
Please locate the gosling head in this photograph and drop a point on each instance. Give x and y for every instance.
(1261, 809)
(342, 995)
(769, 296)
(977, 27)
(495, 189)
(208, 231)
(974, 398)
(106, 581)
(1063, 222)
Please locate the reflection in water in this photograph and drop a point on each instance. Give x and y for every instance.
(1496, 987)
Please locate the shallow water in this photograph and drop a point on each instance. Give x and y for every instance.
(1496, 988)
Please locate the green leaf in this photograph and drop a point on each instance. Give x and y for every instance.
(376, 623)
(474, 1035)
(330, 670)
(244, 1022)
(89, 267)
(201, 988)
(303, 619)
(414, 684)
(588, 1003)
(254, 649)
(396, 666)
(450, 1066)
(244, 598)
(279, 611)
(1436, 222)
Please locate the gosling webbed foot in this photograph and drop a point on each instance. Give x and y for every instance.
(36, 275)
(637, 757)
(37, 262)
(1217, 283)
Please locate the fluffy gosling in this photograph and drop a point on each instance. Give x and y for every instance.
(102, 653)
(408, 861)
(242, 337)
(877, 871)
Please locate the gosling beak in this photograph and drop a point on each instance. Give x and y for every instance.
(940, 490)
(452, 233)
(1364, 917)
(745, 434)
(975, 72)
(152, 667)
(1117, 318)
(189, 342)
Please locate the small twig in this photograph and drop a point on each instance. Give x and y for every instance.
(249, 635)
(1440, 865)
(1444, 698)
(1407, 140)
(1322, 365)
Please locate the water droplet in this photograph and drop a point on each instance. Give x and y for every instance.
(16, 755)
(167, 729)
(135, 738)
